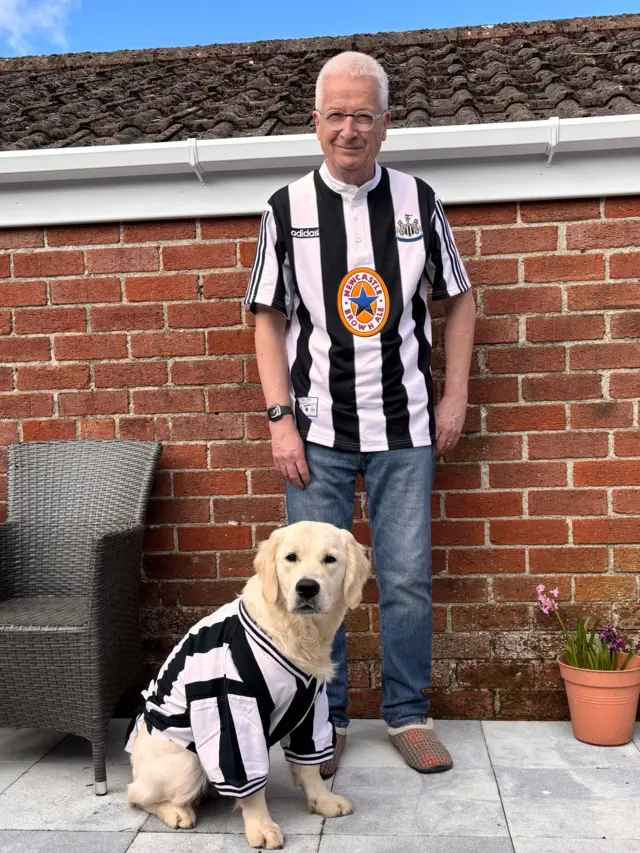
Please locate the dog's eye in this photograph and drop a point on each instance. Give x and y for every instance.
(329, 559)
(291, 558)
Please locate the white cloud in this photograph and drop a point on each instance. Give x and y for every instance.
(21, 20)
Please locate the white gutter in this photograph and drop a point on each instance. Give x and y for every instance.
(555, 158)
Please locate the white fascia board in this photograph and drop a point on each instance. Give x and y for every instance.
(510, 161)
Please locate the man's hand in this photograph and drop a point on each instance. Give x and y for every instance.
(288, 451)
(450, 414)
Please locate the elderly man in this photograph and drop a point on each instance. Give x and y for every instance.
(344, 260)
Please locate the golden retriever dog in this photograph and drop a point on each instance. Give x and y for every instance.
(249, 675)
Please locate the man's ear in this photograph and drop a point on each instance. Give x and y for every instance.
(265, 566)
(357, 572)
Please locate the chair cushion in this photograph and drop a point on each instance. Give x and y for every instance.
(44, 613)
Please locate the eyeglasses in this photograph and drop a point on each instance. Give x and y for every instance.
(362, 120)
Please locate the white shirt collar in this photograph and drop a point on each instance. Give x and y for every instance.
(349, 189)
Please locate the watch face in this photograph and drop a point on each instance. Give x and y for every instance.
(276, 411)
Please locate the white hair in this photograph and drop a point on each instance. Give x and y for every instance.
(357, 65)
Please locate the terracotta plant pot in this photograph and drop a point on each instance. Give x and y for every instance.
(603, 704)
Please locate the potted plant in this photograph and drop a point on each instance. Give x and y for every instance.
(601, 676)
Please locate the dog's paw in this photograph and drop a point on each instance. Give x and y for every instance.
(265, 835)
(331, 805)
(177, 817)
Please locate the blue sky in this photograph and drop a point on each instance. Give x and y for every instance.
(54, 26)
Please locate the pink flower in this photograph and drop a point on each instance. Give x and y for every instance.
(555, 592)
(547, 605)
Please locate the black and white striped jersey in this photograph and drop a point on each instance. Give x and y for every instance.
(227, 693)
(350, 268)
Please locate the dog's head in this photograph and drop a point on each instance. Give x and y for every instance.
(311, 568)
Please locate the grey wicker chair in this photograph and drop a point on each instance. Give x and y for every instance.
(70, 554)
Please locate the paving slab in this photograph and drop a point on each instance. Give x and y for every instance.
(11, 771)
(18, 841)
(78, 749)
(584, 783)
(417, 844)
(573, 845)
(27, 745)
(606, 820)
(181, 842)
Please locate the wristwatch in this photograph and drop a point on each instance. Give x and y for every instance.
(274, 413)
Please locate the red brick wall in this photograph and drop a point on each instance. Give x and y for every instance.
(137, 331)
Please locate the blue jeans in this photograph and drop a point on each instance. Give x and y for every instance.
(398, 485)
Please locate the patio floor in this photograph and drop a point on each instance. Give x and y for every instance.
(516, 787)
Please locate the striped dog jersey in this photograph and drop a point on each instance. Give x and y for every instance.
(227, 693)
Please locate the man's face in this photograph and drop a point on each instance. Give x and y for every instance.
(350, 149)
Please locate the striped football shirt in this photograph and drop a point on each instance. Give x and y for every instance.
(350, 267)
(227, 693)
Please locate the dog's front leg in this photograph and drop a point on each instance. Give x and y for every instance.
(259, 828)
(321, 800)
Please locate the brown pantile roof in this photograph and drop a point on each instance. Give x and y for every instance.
(509, 72)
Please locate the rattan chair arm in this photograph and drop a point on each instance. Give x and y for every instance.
(118, 556)
(8, 552)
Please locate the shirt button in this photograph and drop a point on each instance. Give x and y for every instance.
(355, 203)
(358, 238)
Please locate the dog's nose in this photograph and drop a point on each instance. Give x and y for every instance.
(307, 588)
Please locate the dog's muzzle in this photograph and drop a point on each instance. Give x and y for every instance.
(307, 592)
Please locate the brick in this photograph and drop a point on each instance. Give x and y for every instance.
(94, 403)
(100, 346)
(46, 377)
(627, 443)
(6, 379)
(591, 297)
(8, 433)
(624, 265)
(622, 206)
(230, 228)
(184, 566)
(98, 428)
(224, 284)
(122, 259)
(601, 356)
(232, 342)
(626, 501)
(241, 455)
(493, 271)
(82, 235)
(51, 430)
(206, 427)
(85, 290)
(465, 241)
(516, 240)
(520, 475)
(525, 359)
(241, 399)
(457, 533)
(503, 330)
(201, 315)
(50, 320)
(46, 264)
(237, 564)
(209, 483)
(257, 427)
(522, 418)
(482, 504)
(495, 674)
(130, 375)
(459, 590)
(561, 387)
(568, 502)
(267, 483)
(137, 428)
(461, 646)
(168, 400)
(486, 447)
(5, 266)
(624, 385)
(210, 371)
(565, 328)
(522, 300)
(606, 530)
(481, 214)
(607, 473)
(451, 476)
(605, 589)
(126, 317)
(533, 705)
(169, 511)
(162, 288)
(559, 211)
(215, 537)
(23, 293)
(564, 268)
(26, 405)
(150, 344)
(159, 539)
(21, 349)
(601, 415)
(567, 560)
(626, 325)
(184, 456)
(5, 322)
(528, 532)
(199, 256)
(523, 588)
(161, 484)
(21, 238)
(471, 561)
(603, 235)
(248, 509)
(246, 253)
(567, 446)
(626, 559)
(209, 592)
(160, 231)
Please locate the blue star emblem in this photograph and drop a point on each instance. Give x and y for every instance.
(362, 301)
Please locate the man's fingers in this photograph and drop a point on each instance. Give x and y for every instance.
(303, 471)
(293, 476)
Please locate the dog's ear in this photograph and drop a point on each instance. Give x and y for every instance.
(357, 572)
(265, 566)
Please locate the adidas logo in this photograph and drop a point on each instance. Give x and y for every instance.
(305, 232)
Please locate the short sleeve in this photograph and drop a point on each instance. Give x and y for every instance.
(270, 283)
(312, 741)
(444, 267)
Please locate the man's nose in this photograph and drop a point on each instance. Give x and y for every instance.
(348, 129)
